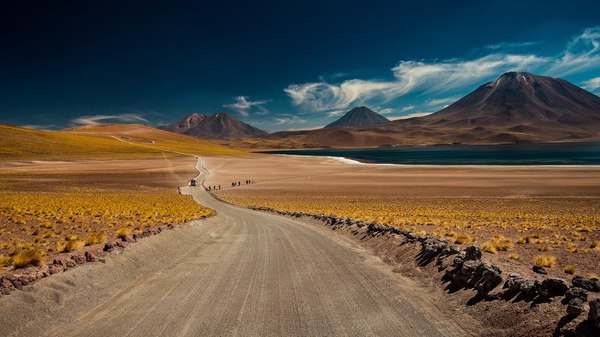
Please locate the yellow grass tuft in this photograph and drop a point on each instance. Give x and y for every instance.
(122, 231)
(545, 261)
(96, 238)
(74, 245)
(489, 247)
(570, 269)
(514, 256)
(463, 239)
(32, 257)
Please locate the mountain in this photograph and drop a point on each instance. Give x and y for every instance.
(359, 116)
(218, 126)
(515, 108)
(522, 100)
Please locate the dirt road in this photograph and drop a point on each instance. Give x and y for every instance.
(240, 273)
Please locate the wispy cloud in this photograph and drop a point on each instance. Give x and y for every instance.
(441, 101)
(582, 53)
(507, 45)
(432, 77)
(40, 126)
(412, 115)
(285, 119)
(98, 119)
(592, 84)
(408, 108)
(450, 75)
(243, 105)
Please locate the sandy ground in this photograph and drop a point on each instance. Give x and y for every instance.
(240, 273)
(166, 172)
(574, 190)
(306, 173)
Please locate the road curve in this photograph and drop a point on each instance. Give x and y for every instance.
(240, 273)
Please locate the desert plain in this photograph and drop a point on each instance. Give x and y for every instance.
(521, 216)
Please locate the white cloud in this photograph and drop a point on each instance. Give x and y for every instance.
(335, 113)
(40, 126)
(407, 108)
(410, 76)
(582, 53)
(504, 45)
(412, 115)
(592, 84)
(441, 101)
(429, 77)
(288, 119)
(98, 119)
(243, 106)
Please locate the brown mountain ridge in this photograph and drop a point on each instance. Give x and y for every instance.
(515, 108)
(218, 126)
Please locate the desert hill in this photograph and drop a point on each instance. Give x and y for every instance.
(218, 126)
(359, 116)
(517, 107)
(103, 141)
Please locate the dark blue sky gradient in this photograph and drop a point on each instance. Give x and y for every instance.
(60, 60)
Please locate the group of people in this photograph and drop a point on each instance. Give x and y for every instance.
(233, 184)
(239, 183)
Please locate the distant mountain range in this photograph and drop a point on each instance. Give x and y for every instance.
(218, 126)
(515, 108)
(359, 116)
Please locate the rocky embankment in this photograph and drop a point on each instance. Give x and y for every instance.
(464, 269)
(19, 278)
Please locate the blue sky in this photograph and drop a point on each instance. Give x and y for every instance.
(277, 65)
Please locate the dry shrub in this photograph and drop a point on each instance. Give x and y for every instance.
(489, 247)
(4, 261)
(545, 261)
(122, 231)
(570, 269)
(74, 245)
(31, 257)
(463, 239)
(96, 238)
(514, 256)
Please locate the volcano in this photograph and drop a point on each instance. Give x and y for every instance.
(359, 116)
(218, 126)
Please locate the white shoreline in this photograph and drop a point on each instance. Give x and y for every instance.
(349, 161)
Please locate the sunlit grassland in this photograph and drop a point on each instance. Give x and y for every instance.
(100, 142)
(566, 227)
(59, 220)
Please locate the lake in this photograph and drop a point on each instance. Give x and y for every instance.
(583, 153)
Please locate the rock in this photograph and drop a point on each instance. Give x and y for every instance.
(555, 286)
(576, 292)
(70, 263)
(464, 276)
(513, 283)
(594, 313)
(91, 256)
(6, 286)
(110, 246)
(170, 226)
(79, 258)
(61, 262)
(489, 277)
(472, 253)
(528, 288)
(540, 270)
(586, 283)
(575, 307)
(122, 244)
(56, 268)
(127, 238)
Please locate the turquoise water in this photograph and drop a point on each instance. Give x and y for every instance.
(587, 153)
